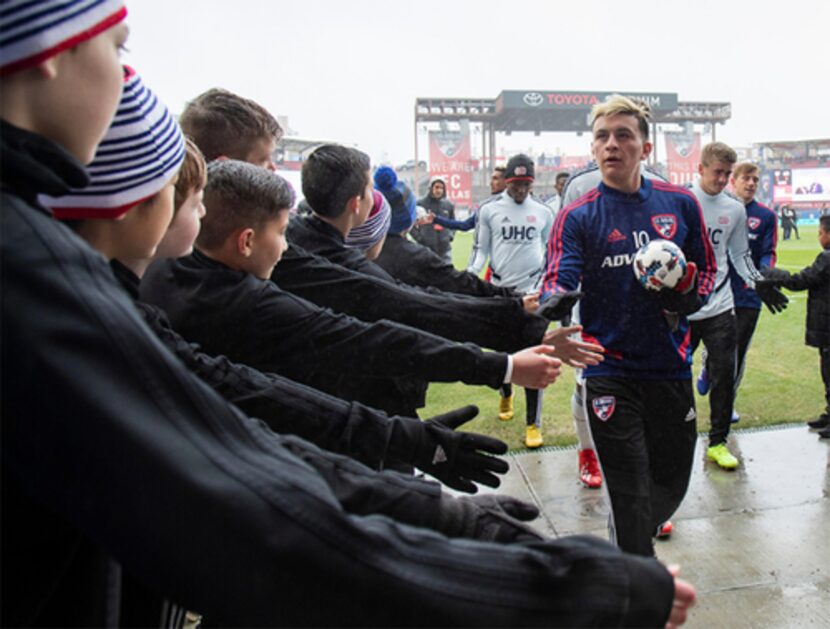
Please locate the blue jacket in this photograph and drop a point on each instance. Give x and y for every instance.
(762, 230)
(593, 243)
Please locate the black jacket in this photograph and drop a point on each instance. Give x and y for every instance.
(816, 280)
(255, 322)
(109, 446)
(431, 235)
(496, 323)
(288, 407)
(417, 265)
(319, 238)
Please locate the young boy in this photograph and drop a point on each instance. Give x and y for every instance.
(363, 433)
(103, 429)
(816, 280)
(501, 325)
(221, 297)
(133, 221)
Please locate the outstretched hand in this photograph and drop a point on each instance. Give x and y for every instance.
(460, 459)
(571, 350)
(684, 598)
(535, 367)
(531, 302)
(559, 305)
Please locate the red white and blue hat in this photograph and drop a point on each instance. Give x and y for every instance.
(374, 229)
(31, 31)
(141, 152)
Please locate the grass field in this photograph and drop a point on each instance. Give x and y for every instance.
(781, 383)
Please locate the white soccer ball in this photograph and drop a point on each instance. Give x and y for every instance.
(659, 264)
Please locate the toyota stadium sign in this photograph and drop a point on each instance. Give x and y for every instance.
(658, 101)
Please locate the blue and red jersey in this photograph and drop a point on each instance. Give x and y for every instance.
(762, 231)
(593, 243)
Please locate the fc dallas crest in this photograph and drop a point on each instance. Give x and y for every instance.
(665, 225)
(753, 222)
(604, 406)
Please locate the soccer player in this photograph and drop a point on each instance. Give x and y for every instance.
(639, 399)
(512, 231)
(497, 186)
(714, 323)
(555, 202)
(762, 232)
(590, 474)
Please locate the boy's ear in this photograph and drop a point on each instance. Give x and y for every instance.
(353, 205)
(244, 242)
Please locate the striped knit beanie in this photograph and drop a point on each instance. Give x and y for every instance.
(141, 152)
(374, 229)
(32, 31)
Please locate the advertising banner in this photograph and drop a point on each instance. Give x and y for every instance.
(782, 185)
(450, 159)
(810, 184)
(682, 157)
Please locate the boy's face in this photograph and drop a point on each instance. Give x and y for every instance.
(144, 225)
(181, 234)
(714, 176)
(261, 154)
(438, 189)
(518, 190)
(267, 246)
(619, 147)
(87, 84)
(823, 237)
(746, 184)
(497, 182)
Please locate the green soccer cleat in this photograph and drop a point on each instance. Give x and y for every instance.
(721, 455)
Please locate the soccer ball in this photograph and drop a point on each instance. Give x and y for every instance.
(659, 264)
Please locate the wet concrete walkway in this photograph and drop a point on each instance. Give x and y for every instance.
(755, 542)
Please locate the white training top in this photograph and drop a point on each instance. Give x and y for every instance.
(514, 236)
(585, 180)
(725, 220)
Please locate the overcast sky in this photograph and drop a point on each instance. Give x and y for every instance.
(350, 70)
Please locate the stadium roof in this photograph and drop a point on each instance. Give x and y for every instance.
(546, 110)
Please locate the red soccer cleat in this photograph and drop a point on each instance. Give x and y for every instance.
(589, 472)
(664, 531)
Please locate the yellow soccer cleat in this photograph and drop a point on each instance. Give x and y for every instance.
(533, 437)
(506, 408)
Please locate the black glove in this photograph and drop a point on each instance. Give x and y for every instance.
(490, 517)
(459, 459)
(771, 295)
(682, 299)
(559, 305)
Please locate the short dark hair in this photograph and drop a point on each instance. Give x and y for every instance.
(239, 195)
(824, 221)
(222, 123)
(332, 175)
(562, 175)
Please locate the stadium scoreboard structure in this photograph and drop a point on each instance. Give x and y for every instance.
(540, 111)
